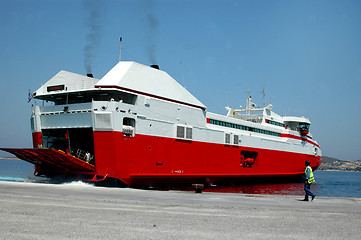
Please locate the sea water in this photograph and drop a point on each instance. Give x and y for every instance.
(328, 183)
(16, 170)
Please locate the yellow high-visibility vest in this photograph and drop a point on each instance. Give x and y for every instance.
(311, 179)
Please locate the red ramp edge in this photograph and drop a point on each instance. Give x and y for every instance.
(54, 158)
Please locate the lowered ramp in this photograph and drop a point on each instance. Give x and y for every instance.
(54, 159)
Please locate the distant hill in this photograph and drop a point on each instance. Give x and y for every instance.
(329, 163)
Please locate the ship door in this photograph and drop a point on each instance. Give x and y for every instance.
(129, 127)
(75, 141)
(248, 158)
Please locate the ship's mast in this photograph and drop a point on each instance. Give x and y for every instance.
(263, 95)
(120, 49)
(248, 111)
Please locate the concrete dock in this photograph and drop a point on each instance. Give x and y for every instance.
(77, 211)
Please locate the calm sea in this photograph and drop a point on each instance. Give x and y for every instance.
(328, 183)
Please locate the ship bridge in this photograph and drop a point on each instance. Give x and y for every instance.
(299, 124)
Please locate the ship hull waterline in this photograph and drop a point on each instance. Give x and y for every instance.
(143, 161)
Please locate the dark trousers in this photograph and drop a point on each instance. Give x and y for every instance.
(308, 191)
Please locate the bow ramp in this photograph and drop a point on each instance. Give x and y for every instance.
(55, 159)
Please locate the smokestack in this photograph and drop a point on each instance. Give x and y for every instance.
(89, 75)
(155, 66)
(120, 49)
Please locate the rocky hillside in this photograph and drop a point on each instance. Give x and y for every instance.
(329, 163)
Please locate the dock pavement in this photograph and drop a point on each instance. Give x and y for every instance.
(79, 211)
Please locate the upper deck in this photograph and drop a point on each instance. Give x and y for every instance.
(123, 82)
(262, 120)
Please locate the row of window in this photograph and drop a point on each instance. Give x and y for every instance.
(237, 126)
(228, 139)
(184, 132)
(226, 124)
(275, 123)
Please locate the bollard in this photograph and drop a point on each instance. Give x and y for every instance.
(198, 187)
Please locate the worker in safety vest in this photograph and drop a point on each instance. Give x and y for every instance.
(309, 179)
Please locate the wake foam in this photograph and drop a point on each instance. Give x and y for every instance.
(78, 184)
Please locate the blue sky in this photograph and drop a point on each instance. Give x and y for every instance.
(305, 54)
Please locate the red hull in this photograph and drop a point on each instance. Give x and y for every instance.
(147, 160)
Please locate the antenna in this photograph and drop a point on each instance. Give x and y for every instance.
(248, 111)
(248, 92)
(120, 49)
(263, 95)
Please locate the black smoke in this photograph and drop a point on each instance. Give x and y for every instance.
(93, 27)
(152, 27)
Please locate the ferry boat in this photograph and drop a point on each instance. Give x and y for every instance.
(140, 126)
